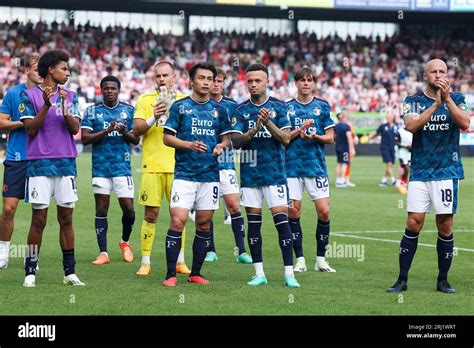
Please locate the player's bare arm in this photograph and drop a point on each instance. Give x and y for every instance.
(327, 138)
(460, 118)
(88, 137)
(73, 123)
(141, 126)
(414, 122)
(7, 124)
(282, 136)
(32, 125)
(296, 132)
(239, 140)
(225, 142)
(172, 141)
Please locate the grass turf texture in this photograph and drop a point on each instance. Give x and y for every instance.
(358, 287)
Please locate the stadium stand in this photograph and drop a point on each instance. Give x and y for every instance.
(359, 73)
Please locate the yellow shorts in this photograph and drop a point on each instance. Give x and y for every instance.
(153, 186)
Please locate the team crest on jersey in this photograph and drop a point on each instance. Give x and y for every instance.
(215, 113)
(234, 121)
(246, 115)
(34, 194)
(317, 111)
(273, 114)
(123, 115)
(406, 108)
(21, 107)
(175, 198)
(144, 197)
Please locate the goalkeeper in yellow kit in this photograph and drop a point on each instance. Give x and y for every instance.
(157, 160)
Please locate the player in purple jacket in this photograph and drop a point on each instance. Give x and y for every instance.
(51, 120)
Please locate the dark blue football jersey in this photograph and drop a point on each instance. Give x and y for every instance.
(226, 160)
(194, 121)
(268, 166)
(305, 158)
(435, 148)
(111, 155)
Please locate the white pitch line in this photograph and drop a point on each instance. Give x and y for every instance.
(399, 231)
(389, 240)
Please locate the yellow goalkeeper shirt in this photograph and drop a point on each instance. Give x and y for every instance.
(156, 156)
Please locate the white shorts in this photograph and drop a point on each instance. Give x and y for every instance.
(275, 195)
(317, 188)
(123, 186)
(228, 182)
(405, 156)
(194, 195)
(441, 195)
(40, 189)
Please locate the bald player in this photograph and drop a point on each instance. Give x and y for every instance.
(435, 117)
(157, 162)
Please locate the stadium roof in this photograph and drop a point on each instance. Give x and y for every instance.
(269, 9)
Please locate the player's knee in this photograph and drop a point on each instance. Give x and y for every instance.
(445, 228)
(129, 212)
(445, 232)
(234, 207)
(414, 225)
(39, 223)
(294, 213)
(203, 226)
(203, 223)
(8, 212)
(151, 217)
(176, 223)
(323, 214)
(65, 221)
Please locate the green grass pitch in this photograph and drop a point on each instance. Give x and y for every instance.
(366, 216)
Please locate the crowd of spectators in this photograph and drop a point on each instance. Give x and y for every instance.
(358, 73)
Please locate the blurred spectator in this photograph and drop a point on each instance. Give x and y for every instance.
(361, 74)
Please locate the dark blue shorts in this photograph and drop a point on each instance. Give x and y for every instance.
(343, 156)
(388, 155)
(14, 178)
